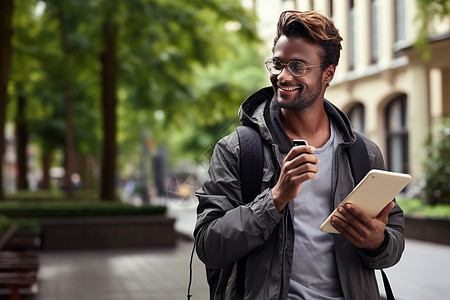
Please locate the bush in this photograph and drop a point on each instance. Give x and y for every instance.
(437, 169)
(39, 209)
(417, 207)
(54, 195)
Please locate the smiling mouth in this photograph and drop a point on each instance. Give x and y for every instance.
(290, 88)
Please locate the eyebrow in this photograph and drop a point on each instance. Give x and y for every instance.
(301, 60)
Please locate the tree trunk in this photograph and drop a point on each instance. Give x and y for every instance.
(6, 10)
(69, 143)
(69, 137)
(46, 164)
(109, 99)
(86, 170)
(21, 144)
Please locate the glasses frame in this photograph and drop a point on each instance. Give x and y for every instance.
(288, 67)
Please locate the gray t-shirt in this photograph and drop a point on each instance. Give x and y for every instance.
(314, 271)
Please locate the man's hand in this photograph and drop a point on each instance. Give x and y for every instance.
(361, 230)
(298, 167)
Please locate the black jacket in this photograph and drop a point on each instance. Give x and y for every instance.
(228, 229)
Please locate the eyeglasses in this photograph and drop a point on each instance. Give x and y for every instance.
(296, 68)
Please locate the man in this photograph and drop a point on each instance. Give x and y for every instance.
(287, 256)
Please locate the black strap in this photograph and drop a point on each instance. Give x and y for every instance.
(251, 165)
(251, 174)
(360, 165)
(387, 286)
(359, 159)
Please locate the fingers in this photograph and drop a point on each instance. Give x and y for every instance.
(360, 229)
(298, 150)
(384, 214)
(298, 166)
(299, 156)
(358, 217)
(347, 230)
(355, 216)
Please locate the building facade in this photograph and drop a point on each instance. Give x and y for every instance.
(389, 92)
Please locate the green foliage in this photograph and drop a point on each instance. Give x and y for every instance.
(417, 207)
(426, 11)
(26, 195)
(221, 89)
(39, 209)
(178, 58)
(27, 225)
(82, 195)
(193, 71)
(437, 169)
(49, 56)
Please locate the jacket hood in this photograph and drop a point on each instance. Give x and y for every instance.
(260, 112)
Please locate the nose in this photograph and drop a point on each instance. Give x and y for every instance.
(284, 74)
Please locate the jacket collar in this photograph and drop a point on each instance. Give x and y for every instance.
(260, 112)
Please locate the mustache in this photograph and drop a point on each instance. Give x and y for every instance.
(289, 85)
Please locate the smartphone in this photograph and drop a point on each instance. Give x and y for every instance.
(298, 142)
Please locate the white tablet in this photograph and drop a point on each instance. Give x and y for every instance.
(372, 194)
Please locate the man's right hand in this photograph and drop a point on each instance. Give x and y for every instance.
(299, 166)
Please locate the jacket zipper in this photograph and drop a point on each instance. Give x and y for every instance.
(285, 225)
(283, 258)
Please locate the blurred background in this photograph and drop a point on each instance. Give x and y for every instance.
(113, 107)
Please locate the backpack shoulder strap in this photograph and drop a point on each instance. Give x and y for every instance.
(251, 162)
(251, 174)
(359, 159)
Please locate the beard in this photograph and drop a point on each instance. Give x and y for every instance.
(303, 99)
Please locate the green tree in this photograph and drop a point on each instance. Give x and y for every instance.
(221, 89)
(426, 11)
(138, 57)
(6, 11)
(162, 42)
(437, 169)
(109, 100)
(23, 66)
(55, 63)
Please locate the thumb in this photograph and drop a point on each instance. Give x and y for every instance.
(383, 215)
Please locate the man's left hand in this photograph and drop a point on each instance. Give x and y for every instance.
(361, 230)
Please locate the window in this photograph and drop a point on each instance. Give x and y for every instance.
(357, 117)
(397, 135)
(373, 31)
(330, 8)
(400, 20)
(351, 36)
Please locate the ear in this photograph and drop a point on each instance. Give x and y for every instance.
(328, 74)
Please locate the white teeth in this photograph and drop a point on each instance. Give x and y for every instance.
(289, 89)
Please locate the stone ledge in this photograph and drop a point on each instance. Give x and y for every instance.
(77, 233)
(428, 229)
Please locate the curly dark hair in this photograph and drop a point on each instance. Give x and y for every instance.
(315, 27)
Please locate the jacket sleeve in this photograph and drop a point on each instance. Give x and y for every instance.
(226, 228)
(392, 248)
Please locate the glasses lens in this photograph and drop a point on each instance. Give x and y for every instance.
(297, 68)
(274, 66)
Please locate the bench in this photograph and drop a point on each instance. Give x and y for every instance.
(18, 269)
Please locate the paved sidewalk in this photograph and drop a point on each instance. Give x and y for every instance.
(164, 273)
(121, 275)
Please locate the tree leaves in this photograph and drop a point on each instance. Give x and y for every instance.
(173, 56)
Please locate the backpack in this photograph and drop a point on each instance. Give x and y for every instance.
(251, 173)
